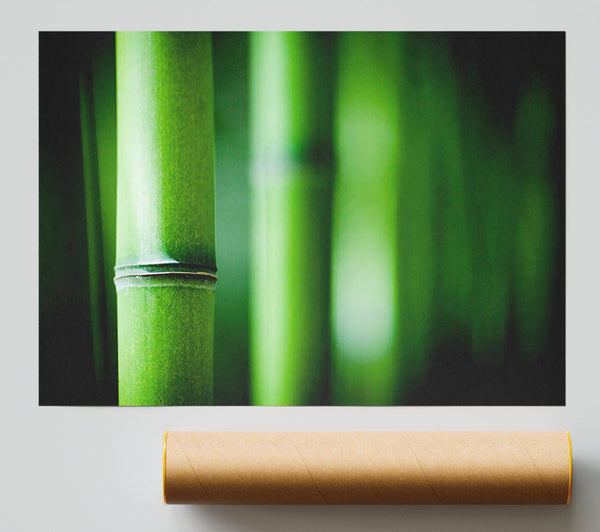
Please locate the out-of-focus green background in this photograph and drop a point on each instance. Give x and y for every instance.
(390, 218)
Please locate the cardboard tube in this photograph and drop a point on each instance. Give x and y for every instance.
(367, 467)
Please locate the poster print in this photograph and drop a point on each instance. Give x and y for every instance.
(302, 218)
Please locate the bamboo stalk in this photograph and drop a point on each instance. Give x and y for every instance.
(93, 226)
(165, 272)
(416, 231)
(489, 191)
(365, 245)
(290, 217)
(452, 247)
(232, 200)
(536, 220)
(492, 209)
(105, 118)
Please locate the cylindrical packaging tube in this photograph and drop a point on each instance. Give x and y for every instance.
(367, 467)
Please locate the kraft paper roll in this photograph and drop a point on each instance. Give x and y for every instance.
(367, 467)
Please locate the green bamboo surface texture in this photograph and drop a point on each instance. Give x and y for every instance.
(165, 217)
(290, 205)
(165, 341)
(365, 309)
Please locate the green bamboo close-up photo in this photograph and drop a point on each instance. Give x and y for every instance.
(388, 211)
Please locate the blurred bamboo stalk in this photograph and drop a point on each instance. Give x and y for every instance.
(71, 346)
(452, 242)
(536, 219)
(416, 266)
(97, 288)
(105, 117)
(365, 308)
(290, 216)
(232, 204)
(165, 272)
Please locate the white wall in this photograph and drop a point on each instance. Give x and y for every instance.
(75, 469)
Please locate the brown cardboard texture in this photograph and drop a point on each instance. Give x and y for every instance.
(367, 467)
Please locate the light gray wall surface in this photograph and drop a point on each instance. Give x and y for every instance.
(97, 469)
